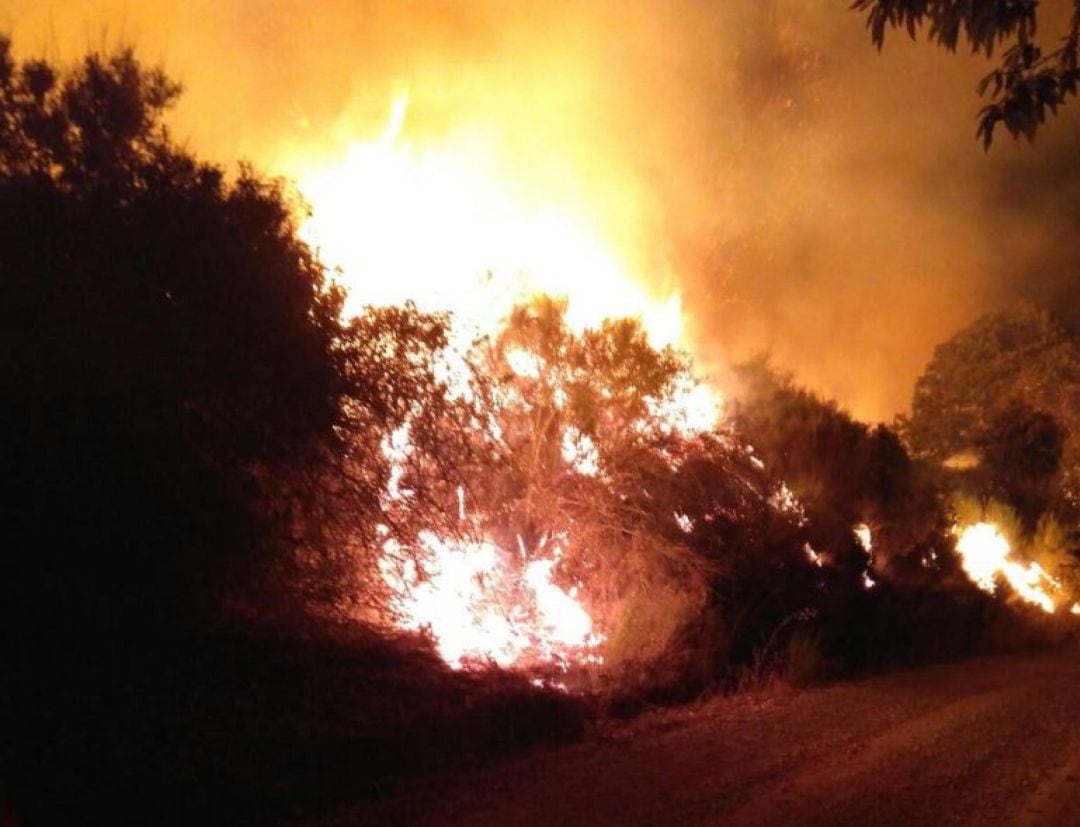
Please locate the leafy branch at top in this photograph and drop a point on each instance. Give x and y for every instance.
(1029, 81)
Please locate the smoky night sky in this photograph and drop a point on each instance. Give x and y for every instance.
(808, 196)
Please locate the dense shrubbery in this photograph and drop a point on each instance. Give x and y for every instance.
(844, 473)
(715, 557)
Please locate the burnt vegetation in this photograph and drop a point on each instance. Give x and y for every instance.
(192, 436)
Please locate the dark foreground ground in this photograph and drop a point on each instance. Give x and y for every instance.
(991, 741)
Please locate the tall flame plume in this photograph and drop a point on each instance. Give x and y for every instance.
(442, 224)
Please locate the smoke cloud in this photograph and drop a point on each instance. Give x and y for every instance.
(808, 197)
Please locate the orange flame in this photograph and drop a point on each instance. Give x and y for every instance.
(985, 555)
(447, 226)
(479, 606)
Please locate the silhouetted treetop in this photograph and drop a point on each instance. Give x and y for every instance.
(1020, 353)
(1028, 82)
(101, 121)
(188, 414)
(992, 390)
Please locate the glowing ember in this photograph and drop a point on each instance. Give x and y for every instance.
(984, 554)
(865, 538)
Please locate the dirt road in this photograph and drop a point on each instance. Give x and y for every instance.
(994, 741)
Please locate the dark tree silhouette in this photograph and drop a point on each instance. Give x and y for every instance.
(1022, 449)
(176, 373)
(188, 431)
(1028, 82)
(993, 381)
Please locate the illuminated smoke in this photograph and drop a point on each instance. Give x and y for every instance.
(756, 158)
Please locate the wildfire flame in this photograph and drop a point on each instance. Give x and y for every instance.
(985, 555)
(479, 604)
(480, 607)
(442, 224)
(445, 225)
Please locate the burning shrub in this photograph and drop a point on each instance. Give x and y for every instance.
(892, 587)
(844, 474)
(600, 461)
(555, 460)
(676, 556)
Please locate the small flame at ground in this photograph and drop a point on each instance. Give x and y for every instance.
(984, 555)
(479, 607)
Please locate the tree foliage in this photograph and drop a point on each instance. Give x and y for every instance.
(1022, 450)
(1007, 389)
(189, 418)
(842, 471)
(1029, 81)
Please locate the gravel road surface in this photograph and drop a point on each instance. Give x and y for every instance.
(992, 741)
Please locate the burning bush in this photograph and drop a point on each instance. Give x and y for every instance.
(557, 460)
(675, 551)
(606, 528)
(895, 589)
